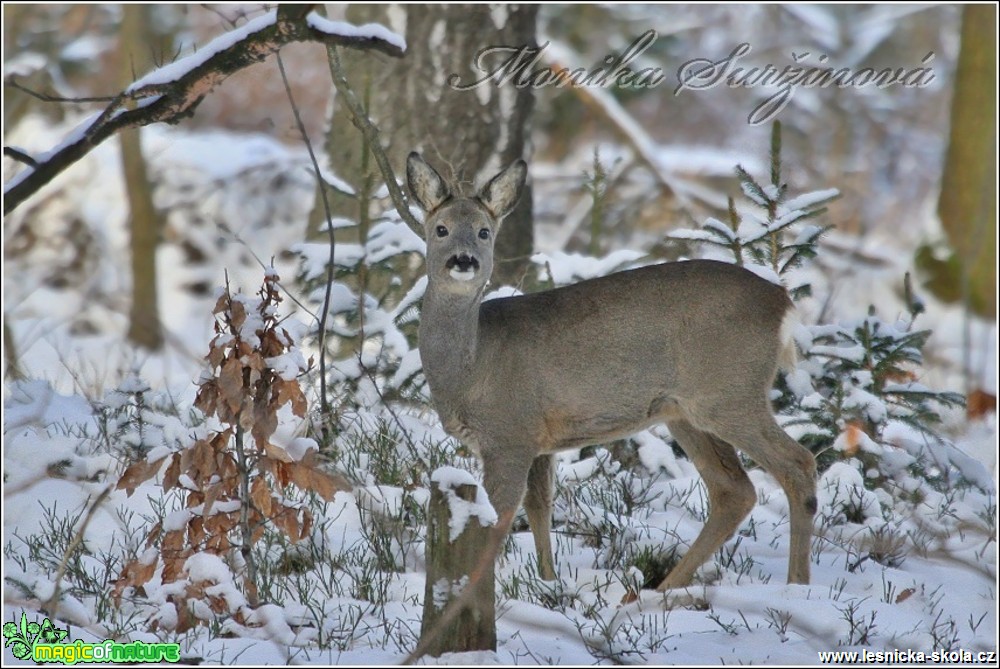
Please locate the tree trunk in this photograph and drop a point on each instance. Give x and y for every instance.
(144, 222)
(13, 371)
(467, 135)
(450, 568)
(967, 205)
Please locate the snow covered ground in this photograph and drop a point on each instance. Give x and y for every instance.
(887, 574)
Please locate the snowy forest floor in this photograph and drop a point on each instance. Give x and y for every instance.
(887, 574)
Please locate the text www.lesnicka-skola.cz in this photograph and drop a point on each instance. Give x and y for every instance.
(907, 656)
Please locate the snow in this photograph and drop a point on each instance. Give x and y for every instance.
(207, 567)
(367, 31)
(85, 48)
(565, 268)
(809, 200)
(288, 365)
(23, 64)
(177, 520)
(460, 511)
(299, 447)
(765, 272)
(231, 154)
(360, 601)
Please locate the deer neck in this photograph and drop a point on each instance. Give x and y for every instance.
(448, 340)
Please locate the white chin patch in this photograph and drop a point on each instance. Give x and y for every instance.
(462, 276)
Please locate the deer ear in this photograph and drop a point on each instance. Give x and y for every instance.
(426, 185)
(503, 191)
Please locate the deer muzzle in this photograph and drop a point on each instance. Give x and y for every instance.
(462, 266)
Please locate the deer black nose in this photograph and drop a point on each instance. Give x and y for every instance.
(463, 262)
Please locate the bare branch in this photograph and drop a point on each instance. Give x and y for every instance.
(175, 100)
(20, 156)
(361, 121)
(323, 398)
(45, 97)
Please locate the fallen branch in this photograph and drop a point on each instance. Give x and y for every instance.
(558, 57)
(172, 93)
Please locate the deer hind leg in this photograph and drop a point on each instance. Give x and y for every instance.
(731, 497)
(538, 506)
(760, 437)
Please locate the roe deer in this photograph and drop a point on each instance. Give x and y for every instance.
(693, 344)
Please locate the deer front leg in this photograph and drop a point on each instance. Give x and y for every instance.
(538, 506)
(505, 474)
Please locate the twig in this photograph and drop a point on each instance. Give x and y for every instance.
(361, 121)
(171, 102)
(231, 22)
(52, 602)
(323, 399)
(45, 97)
(20, 156)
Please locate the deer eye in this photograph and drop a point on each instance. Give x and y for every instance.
(441, 231)
(484, 233)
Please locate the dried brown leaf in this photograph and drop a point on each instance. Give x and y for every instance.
(291, 391)
(258, 532)
(208, 397)
(231, 383)
(218, 544)
(196, 531)
(239, 315)
(212, 493)
(307, 522)
(202, 462)
(173, 473)
(255, 361)
(265, 422)
(154, 534)
(173, 566)
(278, 454)
(134, 575)
(311, 478)
(260, 493)
(270, 345)
(220, 523)
(286, 521)
(221, 303)
(216, 353)
(138, 473)
(173, 543)
(282, 473)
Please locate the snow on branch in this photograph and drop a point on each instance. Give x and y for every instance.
(171, 93)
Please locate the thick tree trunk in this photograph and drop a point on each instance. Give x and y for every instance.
(467, 135)
(967, 205)
(144, 223)
(451, 568)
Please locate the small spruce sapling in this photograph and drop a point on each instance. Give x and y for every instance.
(856, 378)
(773, 233)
